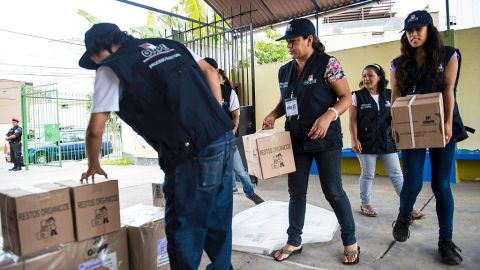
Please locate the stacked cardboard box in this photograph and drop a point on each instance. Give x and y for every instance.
(147, 243)
(418, 121)
(52, 260)
(269, 153)
(38, 219)
(96, 208)
(35, 218)
(109, 251)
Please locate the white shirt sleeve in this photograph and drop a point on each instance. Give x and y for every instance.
(234, 104)
(354, 100)
(106, 91)
(195, 56)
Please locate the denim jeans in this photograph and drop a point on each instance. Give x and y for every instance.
(329, 168)
(240, 172)
(441, 161)
(198, 210)
(368, 162)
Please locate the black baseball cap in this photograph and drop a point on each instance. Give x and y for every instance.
(211, 61)
(416, 19)
(96, 31)
(299, 27)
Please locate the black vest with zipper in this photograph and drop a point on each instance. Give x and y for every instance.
(374, 130)
(314, 97)
(165, 98)
(426, 85)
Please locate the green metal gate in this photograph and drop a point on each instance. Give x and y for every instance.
(54, 125)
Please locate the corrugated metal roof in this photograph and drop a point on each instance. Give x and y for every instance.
(265, 12)
(379, 11)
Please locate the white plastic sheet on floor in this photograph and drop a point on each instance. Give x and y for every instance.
(263, 228)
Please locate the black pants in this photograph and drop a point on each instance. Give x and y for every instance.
(329, 168)
(16, 154)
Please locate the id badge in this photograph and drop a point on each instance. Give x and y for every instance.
(291, 107)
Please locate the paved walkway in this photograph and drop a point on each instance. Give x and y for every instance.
(374, 234)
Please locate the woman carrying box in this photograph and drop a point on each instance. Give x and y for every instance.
(314, 92)
(426, 66)
(371, 135)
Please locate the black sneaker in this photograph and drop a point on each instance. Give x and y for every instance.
(400, 229)
(449, 252)
(255, 198)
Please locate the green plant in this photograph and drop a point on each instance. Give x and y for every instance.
(270, 51)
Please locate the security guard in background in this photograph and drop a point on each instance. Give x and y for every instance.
(14, 137)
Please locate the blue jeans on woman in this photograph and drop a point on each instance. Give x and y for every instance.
(368, 162)
(240, 171)
(199, 205)
(441, 163)
(329, 168)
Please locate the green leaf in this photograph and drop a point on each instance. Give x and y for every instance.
(89, 17)
(147, 31)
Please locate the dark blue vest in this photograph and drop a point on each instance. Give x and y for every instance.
(226, 94)
(166, 99)
(314, 97)
(374, 129)
(426, 85)
(18, 137)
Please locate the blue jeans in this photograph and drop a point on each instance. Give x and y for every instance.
(368, 162)
(329, 168)
(240, 172)
(199, 205)
(441, 161)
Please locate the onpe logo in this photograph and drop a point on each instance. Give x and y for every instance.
(428, 120)
(48, 228)
(101, 217)
(98, 246)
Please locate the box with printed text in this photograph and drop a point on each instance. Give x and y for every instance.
(35, 218)
(269, 153)
(418, 121)
(106, 252)
(96, 208)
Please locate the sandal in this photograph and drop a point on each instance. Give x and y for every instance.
(367, 212)
(287, 252)
(352, 253)
(417, 214)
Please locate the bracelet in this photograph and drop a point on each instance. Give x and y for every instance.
(334, 111)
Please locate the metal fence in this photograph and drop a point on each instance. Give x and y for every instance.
(54, 126)
(232, 48)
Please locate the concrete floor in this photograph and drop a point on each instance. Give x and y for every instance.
(374, 234)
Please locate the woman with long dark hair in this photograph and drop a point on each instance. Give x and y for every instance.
(371, 135)
(314, 92)
(426, 66)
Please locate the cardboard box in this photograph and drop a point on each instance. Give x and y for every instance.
(36, 218)
(158, 196)
(48, 261)
(106, 252)
(51, 260)
(147, 243)
(269, 153)
(96, 208)
(418, 121)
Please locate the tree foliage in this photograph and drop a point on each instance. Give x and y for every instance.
(270, 51)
